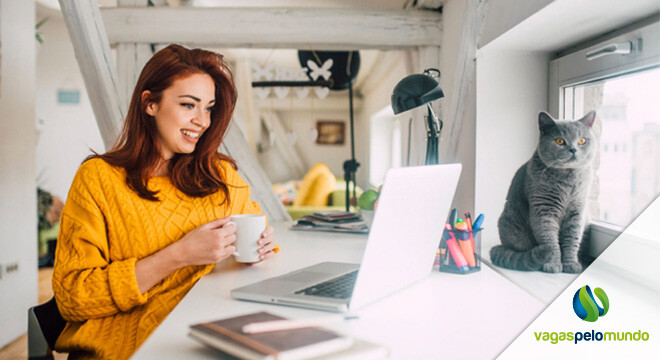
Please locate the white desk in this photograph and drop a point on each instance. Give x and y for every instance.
(450, 316)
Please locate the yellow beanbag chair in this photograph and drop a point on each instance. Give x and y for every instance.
(317, 184)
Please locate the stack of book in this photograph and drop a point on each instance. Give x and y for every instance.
(230, 336)
(333, 220)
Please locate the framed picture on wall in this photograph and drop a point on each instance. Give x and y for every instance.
(331, 132)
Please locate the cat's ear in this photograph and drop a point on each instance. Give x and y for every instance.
(546, 122)
(588, 120)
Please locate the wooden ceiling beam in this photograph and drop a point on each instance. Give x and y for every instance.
(301, 28)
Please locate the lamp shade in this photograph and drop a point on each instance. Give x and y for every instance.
(415, 90)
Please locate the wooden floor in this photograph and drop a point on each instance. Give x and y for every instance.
(18, 348)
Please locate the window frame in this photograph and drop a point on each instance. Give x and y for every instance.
(571, 67)
(384, 153)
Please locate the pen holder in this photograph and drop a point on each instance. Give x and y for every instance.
(459, 252)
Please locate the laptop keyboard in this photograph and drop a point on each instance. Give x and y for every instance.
(339, 288)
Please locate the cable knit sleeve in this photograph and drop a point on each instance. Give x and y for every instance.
(86, 283)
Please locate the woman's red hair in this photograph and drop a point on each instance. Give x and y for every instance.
(137, 149)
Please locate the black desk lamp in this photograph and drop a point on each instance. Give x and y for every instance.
(417, 90)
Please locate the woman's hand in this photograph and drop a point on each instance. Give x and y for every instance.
(208, 244)
(267, 245)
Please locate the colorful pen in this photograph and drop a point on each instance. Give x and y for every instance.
(455, 251)
(477, 223)
(468, 221)
(464, 242)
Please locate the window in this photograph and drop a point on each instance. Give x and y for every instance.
(630, 118)
(385, 145)
(618, 77)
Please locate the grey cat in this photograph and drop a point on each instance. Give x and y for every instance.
(545, 211)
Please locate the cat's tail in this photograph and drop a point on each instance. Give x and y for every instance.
(530, 260)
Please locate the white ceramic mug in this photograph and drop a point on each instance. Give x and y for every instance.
(248, 231)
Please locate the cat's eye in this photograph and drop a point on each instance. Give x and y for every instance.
(560, 141)
(582, 141)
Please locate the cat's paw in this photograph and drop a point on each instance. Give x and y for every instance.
(572, 267)
(552, 267)
(543, 253)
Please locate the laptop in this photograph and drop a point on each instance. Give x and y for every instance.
(402, 244)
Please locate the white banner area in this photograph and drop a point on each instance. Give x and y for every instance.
(625, 322)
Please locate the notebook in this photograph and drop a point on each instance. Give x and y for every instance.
(412, 208)
(227, 335)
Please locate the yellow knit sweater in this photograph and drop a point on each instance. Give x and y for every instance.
(105, 228)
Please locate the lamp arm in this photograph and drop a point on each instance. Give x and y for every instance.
(433, 127)
(433, 124)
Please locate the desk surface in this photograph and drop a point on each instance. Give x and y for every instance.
(471, 316)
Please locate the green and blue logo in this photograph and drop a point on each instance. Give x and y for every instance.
(587, 309)
(585, 305)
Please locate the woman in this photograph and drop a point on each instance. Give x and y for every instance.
(144, 221)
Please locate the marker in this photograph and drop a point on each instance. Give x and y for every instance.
(466, 248)
(468, 221)
(443, 248)
(478, 222)
(444, 260)
(455, 251)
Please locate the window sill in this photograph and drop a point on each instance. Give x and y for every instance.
(601, 235)
(545, 286)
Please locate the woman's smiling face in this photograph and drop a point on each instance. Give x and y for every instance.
(183, 113)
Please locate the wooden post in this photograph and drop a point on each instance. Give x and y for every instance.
(90, 44)
(286, 150)
(250, 170)
(464, 76)
(131, 57)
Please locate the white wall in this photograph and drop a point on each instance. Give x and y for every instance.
(503, 15)
(18, 204)
(311, 152)
(301, 122)
(66, 131)
(512, 89)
